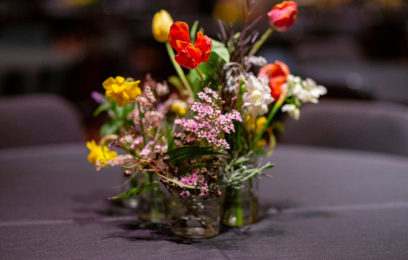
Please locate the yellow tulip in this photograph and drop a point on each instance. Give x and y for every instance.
(99, 155)
(124, 92)
(161, 26)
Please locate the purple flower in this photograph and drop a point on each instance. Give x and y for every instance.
(98, 97)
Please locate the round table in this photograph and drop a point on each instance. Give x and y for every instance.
(318, 204)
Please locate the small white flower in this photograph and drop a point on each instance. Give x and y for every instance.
(258, 96)
(292, 110)
(162, 89)
(305, 90)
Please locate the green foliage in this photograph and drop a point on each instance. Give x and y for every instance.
(118, 117)
(170, 137)
(111, 127)
(136, 190)
(101, 108)
(190, 152)
(121, 112)
(241, 169)
(175, 81)
(221, 51)
(193, 31)
(239, 140)
(210, 69)
(272, 143)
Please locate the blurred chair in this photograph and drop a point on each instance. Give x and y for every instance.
(37, 120)
(371, 126)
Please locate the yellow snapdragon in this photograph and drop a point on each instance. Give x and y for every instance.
(99, 155)
(122, 91)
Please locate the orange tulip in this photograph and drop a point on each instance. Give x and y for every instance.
(283, 15)
(277, 74)
(189, 55)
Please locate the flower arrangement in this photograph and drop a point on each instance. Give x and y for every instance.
(200, 133)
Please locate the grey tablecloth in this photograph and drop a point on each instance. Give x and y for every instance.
(319, 204)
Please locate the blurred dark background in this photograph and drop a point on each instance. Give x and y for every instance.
(358, 49)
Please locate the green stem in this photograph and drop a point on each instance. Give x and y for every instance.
(238, 208)
(199, 74)
(253, 204)
(141, 123)
(261, 41)
(274, 110)
(154, 210)
(179, 70)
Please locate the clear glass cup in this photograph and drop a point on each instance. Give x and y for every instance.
(152, 206)
(241, 204)
(195, 216)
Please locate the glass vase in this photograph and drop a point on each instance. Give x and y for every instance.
(241, 204)
(153, 205)
(195, 216)
(131, 202)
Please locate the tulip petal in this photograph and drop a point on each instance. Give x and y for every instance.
(277, 74)
(189, 57)
(204, 43)
(179, 36)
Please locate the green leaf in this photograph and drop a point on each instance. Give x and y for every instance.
(210, 69)
(220, 49)
(170, 137)
(126, 110)
(114, 106)
(101, 108)
(190, 152)
(193, 31)
(195, 81)
(272, 143)
(111, 127)
(136, 191)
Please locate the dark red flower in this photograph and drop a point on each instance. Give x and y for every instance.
(189, 55)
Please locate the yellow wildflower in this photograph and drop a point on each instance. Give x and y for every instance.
(124, 92)
(99, 155)
(250, 123)
(261, 143)
(161, 24)
(179, 107)
(260, 122)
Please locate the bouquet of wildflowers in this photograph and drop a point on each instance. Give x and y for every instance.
(199, 134)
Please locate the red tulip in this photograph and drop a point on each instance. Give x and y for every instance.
(189, 55)
(283, 15)
(276, 74)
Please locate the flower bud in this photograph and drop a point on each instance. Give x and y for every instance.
(161, 26)
(283, 15)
